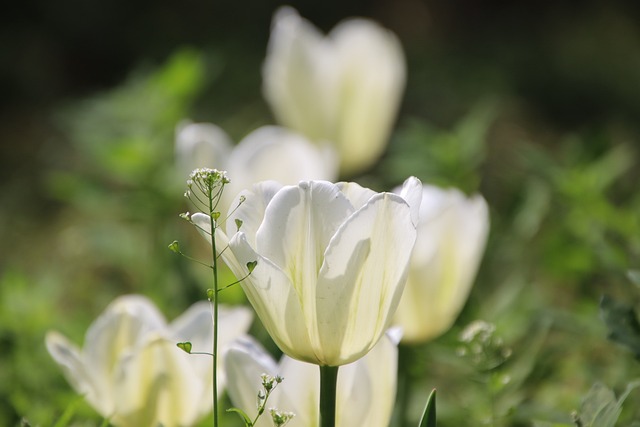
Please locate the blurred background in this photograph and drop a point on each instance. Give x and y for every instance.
(533, 104)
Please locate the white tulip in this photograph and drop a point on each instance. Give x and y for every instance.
(344, 88)
(267, 153)
(331, 260)
(452, 233)
(131, 371)
(365, 394)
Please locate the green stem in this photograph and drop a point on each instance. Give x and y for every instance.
(328, 384)
(405, 361)
(215, 311)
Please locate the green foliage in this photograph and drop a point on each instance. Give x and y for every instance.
(429, 415)
(634, 276)
(622, 322)
(125, 135)
(441, 157)
(30, 384)
(123, 189)
(601, 408)
(245, 418)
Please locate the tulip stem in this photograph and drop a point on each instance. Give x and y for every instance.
(406, 359)
(328, 384)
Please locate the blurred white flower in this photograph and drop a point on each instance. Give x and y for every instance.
(131, 371)
(452, 233)
(267, 153)
(366, 388)
(344, 88)
(332, 261)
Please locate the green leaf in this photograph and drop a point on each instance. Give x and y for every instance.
(185, 346)
(634, 276)
(600, 408)
(599, 405)
(429, 415)
(238, 223)
(241, 413)
(174, 246)
(251, 266)
(622, 323)
(66, 416)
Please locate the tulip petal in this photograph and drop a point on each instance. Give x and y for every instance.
(202, 223)
(297, 227)
(196, 326)
(300, 75)
(279, 154)
(143, 378)
(236, 321)
(372, 80)
(357, 194)
(246, 361)
(79, 375)
(273, 297)
(251, 211)
(119, 329)
(367, 387)
(200, 145)
(362, 277)
(451, 238)
(299, 392)
(411, 192)
(463, 235)
(157, 385)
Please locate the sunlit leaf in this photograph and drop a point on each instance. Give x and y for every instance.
(241, 413)
(174, 247)
(251, 265)
(429, 415)
(185, 346)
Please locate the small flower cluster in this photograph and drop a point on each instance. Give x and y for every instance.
(482, 347)
(269, 383)
(205, 186)
(208, 178)
(280, 418)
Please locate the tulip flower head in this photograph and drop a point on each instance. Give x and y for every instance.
(452, 233)
(365, 390)
(332, 261)
(344, 88)
(131, 371)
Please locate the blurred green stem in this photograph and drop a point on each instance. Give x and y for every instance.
(328, 384)
(214, 301)
(405, 361)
